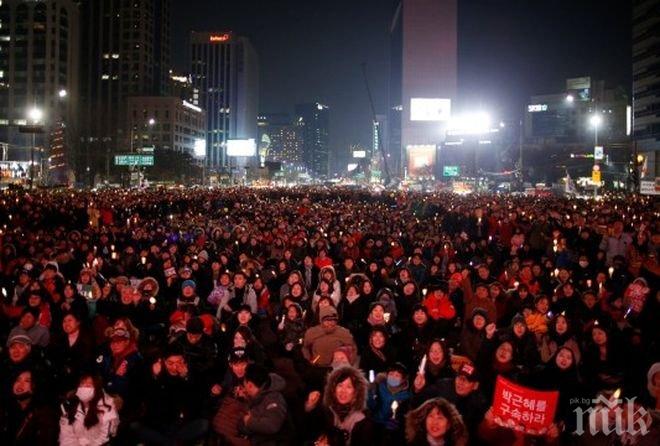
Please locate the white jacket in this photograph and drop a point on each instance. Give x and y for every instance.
(77, 434)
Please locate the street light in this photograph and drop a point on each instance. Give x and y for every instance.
(62, 93)
(596, 120)
(569, 99)
(35, 115)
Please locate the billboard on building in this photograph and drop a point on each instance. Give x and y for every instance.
(579, 88)
(421, 159)
(241, 147)
(430, 109)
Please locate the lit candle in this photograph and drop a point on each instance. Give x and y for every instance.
(372, 376)
(394, 407)
(422, 365)
(611, 271)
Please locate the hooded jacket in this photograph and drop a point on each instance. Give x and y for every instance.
(358, 428)
(268, 415)
(319, 346)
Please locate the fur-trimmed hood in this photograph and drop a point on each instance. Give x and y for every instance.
(340, 374)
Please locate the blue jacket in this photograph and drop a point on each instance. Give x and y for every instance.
(380, 403)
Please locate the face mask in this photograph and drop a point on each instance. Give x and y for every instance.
(584, 264)
(393, 382)
(85, 394)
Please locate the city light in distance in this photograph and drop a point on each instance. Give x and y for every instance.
(469, 124)
(35, 114)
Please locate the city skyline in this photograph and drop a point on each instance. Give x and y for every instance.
(313, 52)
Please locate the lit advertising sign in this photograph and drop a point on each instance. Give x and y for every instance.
(241, 147)
(200, 148)
(219, 37)
(421, 159)
(578, 83)
(533, 108)
(599, 153)
(451, 171)
(579, 88)
(430, 109)
(359, 153)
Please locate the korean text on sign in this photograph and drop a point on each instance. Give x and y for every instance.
(522, 408)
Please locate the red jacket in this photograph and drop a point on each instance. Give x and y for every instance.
(439, 308)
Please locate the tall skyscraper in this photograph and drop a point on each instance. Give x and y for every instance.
(646, 83)
(126, 52)
(39, 64)
(313, 123)
(423, 79)
(224, 68)
(278, 139)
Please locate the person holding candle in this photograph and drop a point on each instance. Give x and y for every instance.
(388, 400)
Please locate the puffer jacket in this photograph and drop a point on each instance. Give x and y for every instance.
(268, 424)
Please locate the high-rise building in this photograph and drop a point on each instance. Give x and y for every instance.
(225, 71)
(560, 126)
(313, 123)
(39, 65)
(646, 83)
(423, 80)
(125, 52)
(165, 122)
(278, 139)
(181, 87)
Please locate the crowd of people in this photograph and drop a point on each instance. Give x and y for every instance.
(322, 316)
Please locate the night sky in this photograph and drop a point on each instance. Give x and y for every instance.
(508, 50)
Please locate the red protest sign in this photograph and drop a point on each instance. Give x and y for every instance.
(523, 409)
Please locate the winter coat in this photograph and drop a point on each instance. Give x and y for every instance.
(200, 356)
(36, 425)
(267, 424)
(472, 407)
(70, 360)
(232, 300)
(440, 308)
(172, 400)
(76, 434)
(358, 428)
(319, 344)
(381, 397)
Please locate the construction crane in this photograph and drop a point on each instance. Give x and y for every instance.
(386, 169)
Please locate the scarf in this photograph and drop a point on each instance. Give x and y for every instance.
(348, 421)
(434, 369)
(374, 322)
(432, 442)
(378, 352)
(502, 368)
